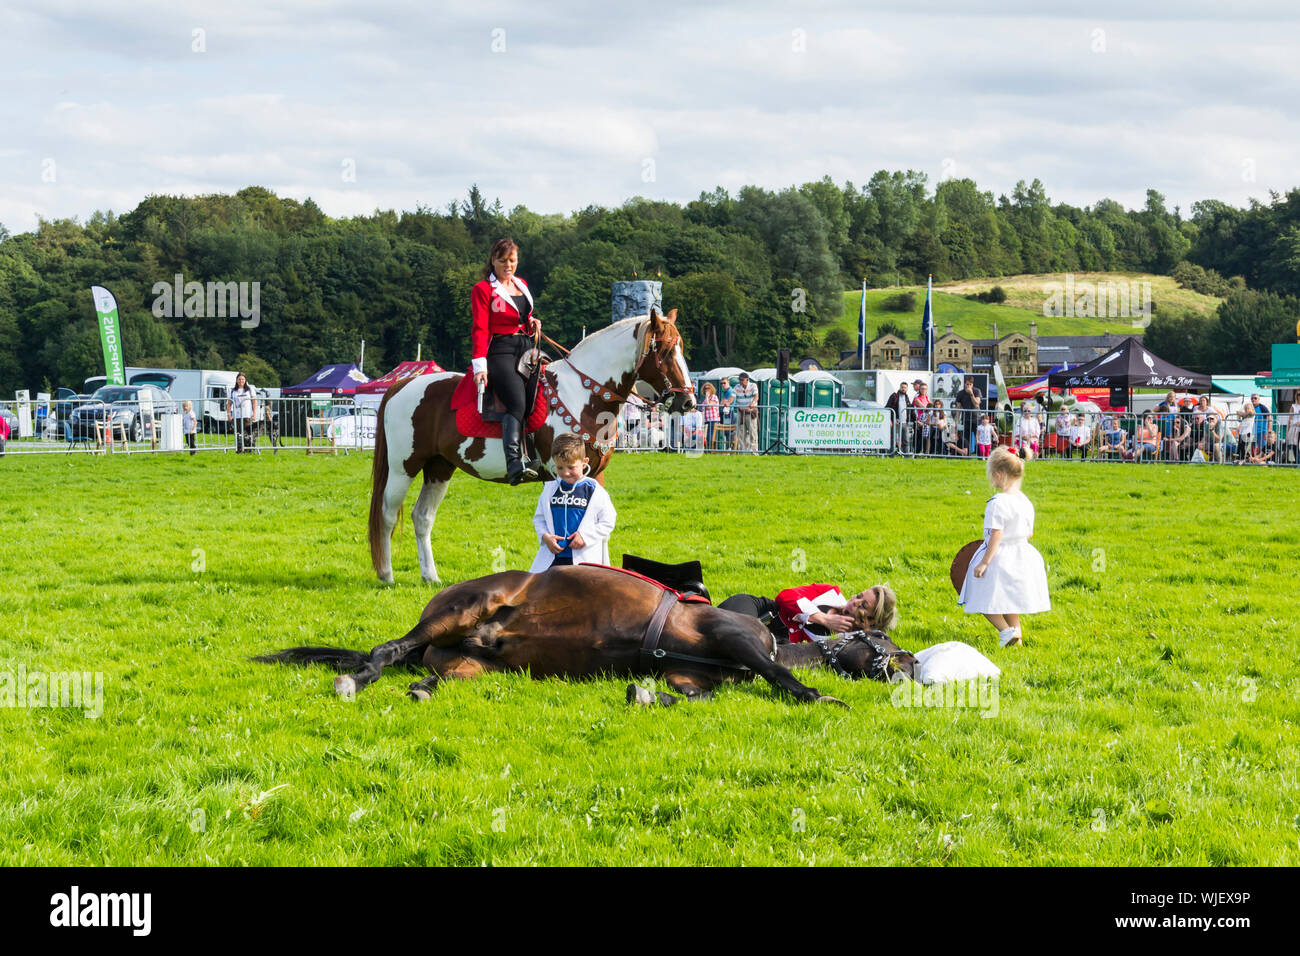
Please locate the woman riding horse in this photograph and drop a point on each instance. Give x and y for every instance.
(504, 328)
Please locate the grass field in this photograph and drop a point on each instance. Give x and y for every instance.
(1025, 298)
(1151, 719)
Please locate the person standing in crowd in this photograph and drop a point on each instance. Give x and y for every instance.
(968, 401)
(726, 399)
(1006, 576)
(503, 329)
(1263, 419)
(574, 516)
(242, 407)
(1245, 432)
(632, 419)
(901, 405)
(747, 408)
(1197, 439)
(189, 424)
(1293, 431)
(1063, 428)
(921, 417)
(986, 436)
(4, 433)
(938, 422)
(710, 405)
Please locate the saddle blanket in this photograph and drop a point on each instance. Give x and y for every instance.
(464, 402)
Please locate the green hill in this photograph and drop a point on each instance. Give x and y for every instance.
(1025, 298)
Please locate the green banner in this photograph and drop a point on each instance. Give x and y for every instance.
(109, 335)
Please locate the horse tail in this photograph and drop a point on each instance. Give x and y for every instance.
(340, 658)
(378, 482)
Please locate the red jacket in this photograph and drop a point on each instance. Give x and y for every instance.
(493, 315)
(789, 601)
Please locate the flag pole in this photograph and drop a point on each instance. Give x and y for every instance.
(929, 334)
(862, 327)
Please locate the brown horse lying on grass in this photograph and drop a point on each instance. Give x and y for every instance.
(588, 621)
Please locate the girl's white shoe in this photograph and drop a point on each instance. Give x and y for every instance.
(1009, 636)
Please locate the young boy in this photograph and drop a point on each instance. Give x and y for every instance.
(574, 516)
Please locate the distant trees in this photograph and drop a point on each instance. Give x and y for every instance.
(750, 272)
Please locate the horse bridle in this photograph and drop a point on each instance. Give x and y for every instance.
(652, 351)
(880, 665)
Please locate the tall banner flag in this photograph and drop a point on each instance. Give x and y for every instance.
(862, 328)
(927, 327)
(109, 336)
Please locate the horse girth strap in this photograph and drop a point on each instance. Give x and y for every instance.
(655, 629)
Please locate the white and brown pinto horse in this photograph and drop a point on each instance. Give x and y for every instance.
(584, 392)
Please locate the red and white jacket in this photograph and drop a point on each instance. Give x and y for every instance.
(794, 605)
(494, 314)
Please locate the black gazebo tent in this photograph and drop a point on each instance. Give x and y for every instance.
(1128, 366)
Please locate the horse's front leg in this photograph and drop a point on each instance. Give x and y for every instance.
(746, 641)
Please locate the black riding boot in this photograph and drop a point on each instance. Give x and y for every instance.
(516, 470)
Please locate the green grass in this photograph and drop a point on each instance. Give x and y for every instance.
(1149, 720)
(1025, 298)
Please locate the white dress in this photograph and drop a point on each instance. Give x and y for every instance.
(1016, 579)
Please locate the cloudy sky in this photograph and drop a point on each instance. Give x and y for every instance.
(377, 104)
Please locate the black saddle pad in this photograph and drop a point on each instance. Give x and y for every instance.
(687, 577)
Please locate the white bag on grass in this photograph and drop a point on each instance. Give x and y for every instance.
(952, 661)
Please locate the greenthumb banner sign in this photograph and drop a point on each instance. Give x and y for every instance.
(847, 428)
(109, 336)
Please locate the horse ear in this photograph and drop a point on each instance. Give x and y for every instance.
(671, 317)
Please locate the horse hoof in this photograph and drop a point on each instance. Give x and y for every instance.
(639, 695)
(827, 699)
(345, 687)
(419, 695)
(386, 577)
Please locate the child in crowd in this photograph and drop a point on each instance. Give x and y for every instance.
(574, 516)
(189, 424)
(984, 436)
(1006, 576)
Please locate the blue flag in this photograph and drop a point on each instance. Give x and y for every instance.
(927, 328)
(862, 328)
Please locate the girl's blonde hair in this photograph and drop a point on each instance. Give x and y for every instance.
(1006, 465)
(187, 406)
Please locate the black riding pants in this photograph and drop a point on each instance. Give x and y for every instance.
(503, 355)
(752, 605)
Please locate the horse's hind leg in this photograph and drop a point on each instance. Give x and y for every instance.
(395, 488)
(401, 650)
(447, 664)
(436, 476)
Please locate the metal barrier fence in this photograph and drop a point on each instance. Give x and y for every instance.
(306, 424)
(289, 423)
(1271, 439)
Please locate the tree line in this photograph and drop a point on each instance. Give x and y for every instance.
(749, 273)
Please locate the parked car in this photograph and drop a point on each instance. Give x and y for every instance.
(133, 406)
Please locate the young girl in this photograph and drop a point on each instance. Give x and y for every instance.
(984, 436)
(574, 516)
(1006, 576)
(189, 424)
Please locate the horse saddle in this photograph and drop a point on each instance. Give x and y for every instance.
(686, 578)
